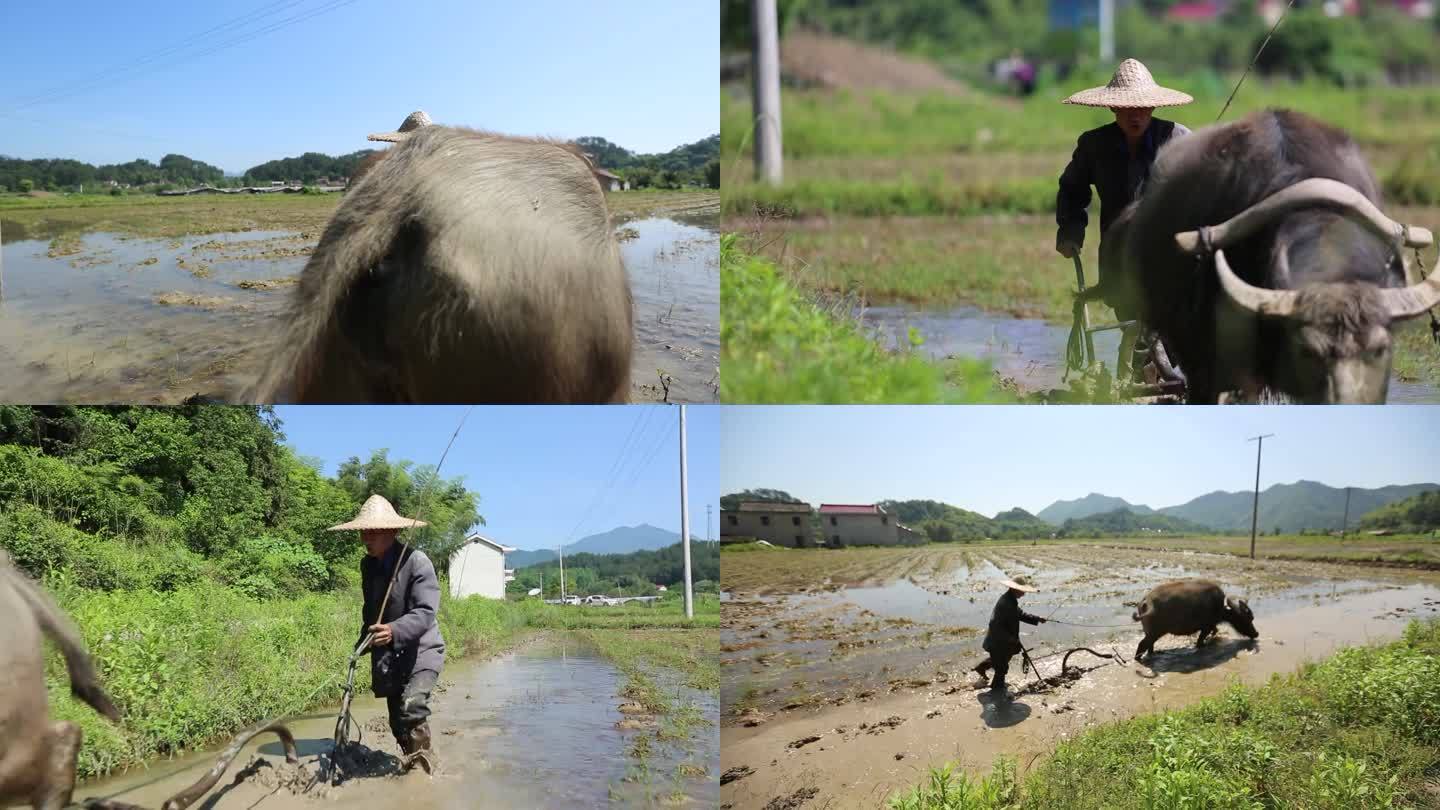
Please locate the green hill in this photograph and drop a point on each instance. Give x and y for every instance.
(1291, 507)
(1419, 513)
(1123, 522)
(941, 522)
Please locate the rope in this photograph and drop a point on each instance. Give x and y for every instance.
(1253, 61)
(1078, 624)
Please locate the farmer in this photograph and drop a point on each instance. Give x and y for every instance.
(1002, 639)
(1115, 158)
(407, 653)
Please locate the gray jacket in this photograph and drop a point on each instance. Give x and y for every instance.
(410, 613)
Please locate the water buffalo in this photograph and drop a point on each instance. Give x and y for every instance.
(1258, 252)
(463, 266)
(1188, 606)
(37, 757)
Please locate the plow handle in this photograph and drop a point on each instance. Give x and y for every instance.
(1084, 310)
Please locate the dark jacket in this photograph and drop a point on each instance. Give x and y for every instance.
(1102, 159)
(1003, 637)
(410, 613)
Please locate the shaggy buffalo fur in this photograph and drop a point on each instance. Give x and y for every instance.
(464, 266)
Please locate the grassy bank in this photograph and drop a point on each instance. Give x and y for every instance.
(867, 123)
(191, 667)
(780, 345)
(1360, 730)
(171, 217)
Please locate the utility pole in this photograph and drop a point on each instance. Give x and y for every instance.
(562, 573)
(1107, 31)
(765, 56)
(707, 523)
(685, 519)
(1345, 526)
(1255, 509)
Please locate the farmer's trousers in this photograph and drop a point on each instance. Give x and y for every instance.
(1001, 665)
(411, 707)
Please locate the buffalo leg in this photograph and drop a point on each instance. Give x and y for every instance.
(1205, 632)
(1147, 645)
(59, 779)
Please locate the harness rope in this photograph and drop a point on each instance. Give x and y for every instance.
(1078, 624)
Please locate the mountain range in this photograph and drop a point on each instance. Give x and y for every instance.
(1287, 507)
(621, 540)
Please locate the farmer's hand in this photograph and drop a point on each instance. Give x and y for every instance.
(1067, 249)
(1043, 620)
(383, 636)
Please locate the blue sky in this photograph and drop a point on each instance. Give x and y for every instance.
(641, 73)
(991, 458)
(538, 469)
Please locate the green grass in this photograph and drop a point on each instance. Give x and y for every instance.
(1360, 730)
(193, 666)
(854, 124)
(928, 197)
(778, 345)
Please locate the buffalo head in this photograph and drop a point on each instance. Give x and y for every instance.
(1338, 346)
(1237, 613)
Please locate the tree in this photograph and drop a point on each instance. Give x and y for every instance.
(27, 186)
(712, 174)
(448, 508)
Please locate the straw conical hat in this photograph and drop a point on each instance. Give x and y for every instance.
(1131, 86)
(412, 122)
(1019, 584)
(377, 513)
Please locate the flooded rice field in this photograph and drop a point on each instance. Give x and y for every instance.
(845, 675)
(539, 726)
(1028, 351)
(106, 317)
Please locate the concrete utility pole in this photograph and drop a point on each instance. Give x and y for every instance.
(1107, 31)
(685, 521)
(1345, 525)
(1255, 509)
(562, 573)
(765, 68)
(707, 522)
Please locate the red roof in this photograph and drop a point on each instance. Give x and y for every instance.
(1194, 11)
(849, 509)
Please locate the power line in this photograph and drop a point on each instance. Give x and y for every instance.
(181, 45)
(285, 23)
(661, 435)
(612, 475)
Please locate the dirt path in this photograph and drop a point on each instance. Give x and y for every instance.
(837, 698)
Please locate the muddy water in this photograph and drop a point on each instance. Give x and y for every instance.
(157, 320)
(878, 670)
(675, 275)
(535, 727)
(1028, 350)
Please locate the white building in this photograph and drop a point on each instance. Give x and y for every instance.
(478, 569)
(780, 524)
(863, 525)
